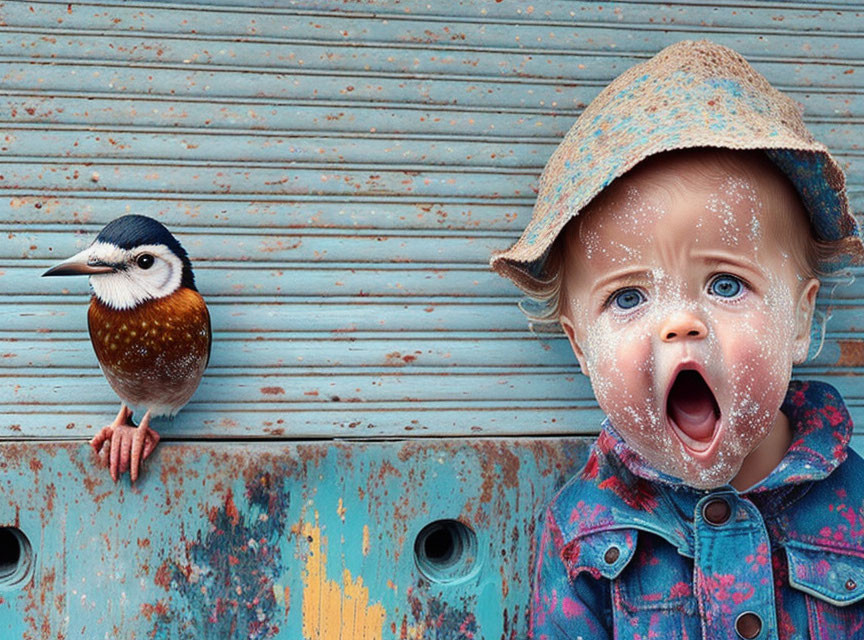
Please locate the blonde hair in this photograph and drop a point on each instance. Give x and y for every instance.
(548, 301)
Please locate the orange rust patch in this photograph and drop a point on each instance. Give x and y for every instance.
(163, 576)
(231, 508)
(160, 609)
(851, 353)
(273, 391)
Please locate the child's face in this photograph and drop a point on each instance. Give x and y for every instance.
(687, 312)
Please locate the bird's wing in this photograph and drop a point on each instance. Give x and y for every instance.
(209, 335)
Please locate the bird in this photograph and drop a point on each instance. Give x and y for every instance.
(149, 327)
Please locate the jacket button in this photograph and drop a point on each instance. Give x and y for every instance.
(748, 625)
(612, 555)
(716, 512)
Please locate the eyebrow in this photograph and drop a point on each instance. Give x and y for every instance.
(640, 273)
(624, 275)
(721, 259)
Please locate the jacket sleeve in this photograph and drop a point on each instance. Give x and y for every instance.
(563, 608)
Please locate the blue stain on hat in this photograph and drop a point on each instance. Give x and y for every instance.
(691, 94)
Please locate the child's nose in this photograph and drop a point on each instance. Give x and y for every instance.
(682, 324)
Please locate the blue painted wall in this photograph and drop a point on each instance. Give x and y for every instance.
(339, 173)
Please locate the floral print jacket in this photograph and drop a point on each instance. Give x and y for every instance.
(624, 551)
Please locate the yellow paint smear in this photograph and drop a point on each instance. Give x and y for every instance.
(332, 611)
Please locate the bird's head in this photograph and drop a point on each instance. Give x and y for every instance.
(134, 258)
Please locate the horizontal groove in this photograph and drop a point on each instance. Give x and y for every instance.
(345, 104)
(264, 198)
(226, 38)
(267, 440)
(312, 406)
(12, 125)
(283, 300)
(10, 338)
(812, 6)
(274, 164)
(324, 336)
(337, 134)
(372, 370)
(432, 167)
(318, 405)
(366, 300)
(314, 232)
(434, 17)
(269, 198)
(443, 167)
(446, 77)
(319, 371)
(287, 265)
(271, 101)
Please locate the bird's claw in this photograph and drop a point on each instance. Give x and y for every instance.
(122, 446)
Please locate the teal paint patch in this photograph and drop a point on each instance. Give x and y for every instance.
(227, 572)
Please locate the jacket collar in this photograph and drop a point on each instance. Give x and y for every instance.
(617, 489)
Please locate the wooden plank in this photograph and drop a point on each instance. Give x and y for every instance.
(416, 47)
(90, 211)
(423, 90)
(363, 279)
(49, 112)
(338, 402)
(27, 145)
(335, 315)
(409, 351)
(271, 20)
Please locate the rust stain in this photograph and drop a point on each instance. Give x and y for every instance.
(851, 353)
(273, 391)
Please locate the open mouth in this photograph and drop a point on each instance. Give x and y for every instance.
(692, 408)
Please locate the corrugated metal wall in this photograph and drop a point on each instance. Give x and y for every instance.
(339, 173)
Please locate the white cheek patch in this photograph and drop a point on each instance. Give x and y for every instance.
(133, 285)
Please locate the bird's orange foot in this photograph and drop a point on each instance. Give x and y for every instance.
(129, 445)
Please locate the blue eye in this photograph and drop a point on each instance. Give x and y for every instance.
(726, 286)
(627, 298)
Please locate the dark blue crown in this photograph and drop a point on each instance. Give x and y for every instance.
(128, 232)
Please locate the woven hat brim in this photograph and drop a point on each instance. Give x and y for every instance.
(710, 97)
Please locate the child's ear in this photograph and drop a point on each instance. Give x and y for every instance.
(804, 319)
(570, 330)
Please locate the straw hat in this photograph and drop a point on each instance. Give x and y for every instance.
(691, 94)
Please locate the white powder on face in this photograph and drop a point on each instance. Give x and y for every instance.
(747, 386)
(736, 193)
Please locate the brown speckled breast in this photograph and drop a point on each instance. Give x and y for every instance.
(154, 354)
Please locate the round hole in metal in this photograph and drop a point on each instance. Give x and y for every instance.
(446, 551)
(16, 559)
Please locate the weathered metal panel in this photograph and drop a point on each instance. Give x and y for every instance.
(278, 541)
(339, 172)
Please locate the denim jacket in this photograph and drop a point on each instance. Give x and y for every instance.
(625, 551)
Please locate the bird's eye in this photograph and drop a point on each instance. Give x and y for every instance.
(726, 286)
(626, 299)
(145, 261)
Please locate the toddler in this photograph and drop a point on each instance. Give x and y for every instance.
(679, 235)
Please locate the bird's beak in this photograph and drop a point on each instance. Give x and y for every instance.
(79, 265)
